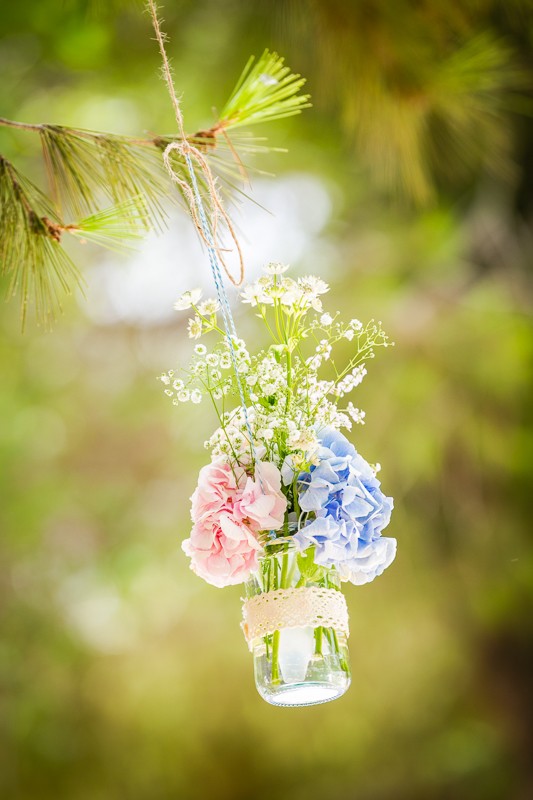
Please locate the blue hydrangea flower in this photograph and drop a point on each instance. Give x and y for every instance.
(350, 511)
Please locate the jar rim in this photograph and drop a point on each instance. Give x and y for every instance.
(282, 544)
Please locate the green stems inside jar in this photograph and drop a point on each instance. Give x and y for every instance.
(284, 567)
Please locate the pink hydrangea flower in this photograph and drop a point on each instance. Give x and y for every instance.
(229, 509)
(222, 551)
(261, 502)
(216, 490)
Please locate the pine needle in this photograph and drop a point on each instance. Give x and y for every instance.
(114, 228)
(84, 167)
(264, 92)
(31, 255)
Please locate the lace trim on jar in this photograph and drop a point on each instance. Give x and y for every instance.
(302, 607)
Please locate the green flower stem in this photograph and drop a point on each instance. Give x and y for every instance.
(289, 383)
(318, 640)
(275, 658)
(222, 425)
(292, 569)
(282, 584)
(266, 580)
(331, 635)
(284, 568)
(342, 660)
(209, 321)
(265, 320)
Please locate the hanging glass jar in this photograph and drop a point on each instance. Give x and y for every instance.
(296, 625)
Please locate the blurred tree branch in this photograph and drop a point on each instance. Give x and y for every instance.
(425, 91)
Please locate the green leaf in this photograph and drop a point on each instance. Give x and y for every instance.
(309, 570)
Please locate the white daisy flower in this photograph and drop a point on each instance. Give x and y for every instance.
(194, 327)
(274, 268)
(208, 307)
(188, 299)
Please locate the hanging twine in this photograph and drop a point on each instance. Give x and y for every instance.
(208, 228)
(209, 232)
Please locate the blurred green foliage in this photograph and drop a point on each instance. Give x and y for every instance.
(122, 674)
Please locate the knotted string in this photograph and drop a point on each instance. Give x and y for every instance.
(196, 207)
(207, 230)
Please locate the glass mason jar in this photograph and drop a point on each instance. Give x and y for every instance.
(297, 666)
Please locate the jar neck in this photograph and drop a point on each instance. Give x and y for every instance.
(283, 566)
(280, 546)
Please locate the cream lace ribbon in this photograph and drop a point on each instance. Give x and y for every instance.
(302, 607)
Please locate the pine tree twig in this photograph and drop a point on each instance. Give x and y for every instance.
(32, 256)
(87, 169)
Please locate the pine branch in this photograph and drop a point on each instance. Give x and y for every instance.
(83, 166)
(264, 92)
(32, 256)
(30, 251)
(86, 169)
(114, 228)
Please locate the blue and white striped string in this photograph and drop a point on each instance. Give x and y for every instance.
(229, 322)
(206, 228)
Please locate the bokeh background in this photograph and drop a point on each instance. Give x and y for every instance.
(408, 187)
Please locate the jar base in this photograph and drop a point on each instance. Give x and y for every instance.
(303, 694)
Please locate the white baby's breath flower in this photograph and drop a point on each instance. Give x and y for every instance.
(188, 299)
(348, 334)
(196, 396)
(225, 361)
(184, 396)
(314, 363)
(302, 440)
(357, 375)
(178, 384)
(326, 319)
(275, 268)
(200, 349)
(212, 359)
(356, 324)
(356, 414)
(164, 379)
(239, 344)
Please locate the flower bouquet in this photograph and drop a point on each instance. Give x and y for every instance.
(287, 505)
